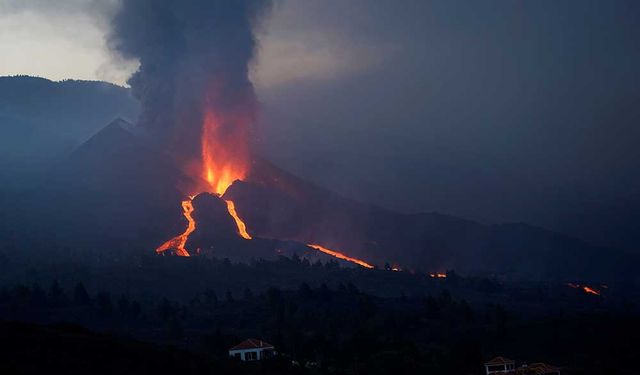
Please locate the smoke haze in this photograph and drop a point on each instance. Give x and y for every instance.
(192, 54)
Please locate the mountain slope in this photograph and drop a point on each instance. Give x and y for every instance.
(276, 204)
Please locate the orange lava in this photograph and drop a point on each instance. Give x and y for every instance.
(438, 275)
(591, 291)
(242, 228)
(340, 255)
(584, 288)
(224, 159)
(178, 243)
(224, 151)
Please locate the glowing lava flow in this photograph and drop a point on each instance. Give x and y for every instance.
(591, 291)
(179, 242)
(242, 228)
(340, 255)
(224, 155)
(584, 288)
(223, 161)
(224, 158)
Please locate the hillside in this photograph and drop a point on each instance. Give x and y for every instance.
(276, 204)
(41, 119)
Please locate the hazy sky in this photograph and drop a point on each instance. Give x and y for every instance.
(495, 110)
(66, 39)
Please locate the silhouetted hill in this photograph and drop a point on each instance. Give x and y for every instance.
(113, 192)
(41, 119)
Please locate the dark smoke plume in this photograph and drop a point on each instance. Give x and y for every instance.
(192, 53)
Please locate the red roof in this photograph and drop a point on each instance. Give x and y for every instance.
(252, 344)
(499, 361)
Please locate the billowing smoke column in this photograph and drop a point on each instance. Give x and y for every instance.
(193, 84)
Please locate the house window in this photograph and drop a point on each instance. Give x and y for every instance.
(250, 356)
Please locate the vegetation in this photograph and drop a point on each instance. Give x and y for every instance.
(317, 328)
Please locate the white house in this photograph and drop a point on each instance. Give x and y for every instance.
(252, 350)
(499, 365)
(505, 366)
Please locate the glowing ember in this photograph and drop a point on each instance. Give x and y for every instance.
(584, 288)
(178, 243)
(340, 255)
(242, 228)
(438, 275)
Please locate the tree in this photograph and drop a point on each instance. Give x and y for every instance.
(56, 294)
(324, 292)
(352, 288)
(305, 291)
(432, 309)
(175, 329)
(248, 294)
(366, 307)
(210, 297)
(274, 297)
(165, 310)
(501, 317)
(467, 311)
(80, 295)
(445, 298)
(332, 265)
(123, 306)
(105, 306)
(38, 296)
(135, 310)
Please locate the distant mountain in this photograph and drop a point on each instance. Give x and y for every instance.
(115, 193)
(41, 120)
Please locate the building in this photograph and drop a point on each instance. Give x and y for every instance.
(499, 365)
(537, 369)
(505, 366)
(252, 350)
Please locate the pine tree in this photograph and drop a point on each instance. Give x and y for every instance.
(80, 295)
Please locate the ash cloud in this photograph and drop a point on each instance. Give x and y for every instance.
(191, 53)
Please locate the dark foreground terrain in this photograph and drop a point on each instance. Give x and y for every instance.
(322, 319)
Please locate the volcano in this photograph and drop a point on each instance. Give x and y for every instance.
(120, 194)
(120, 191)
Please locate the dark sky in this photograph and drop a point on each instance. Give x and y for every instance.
(494, 110)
